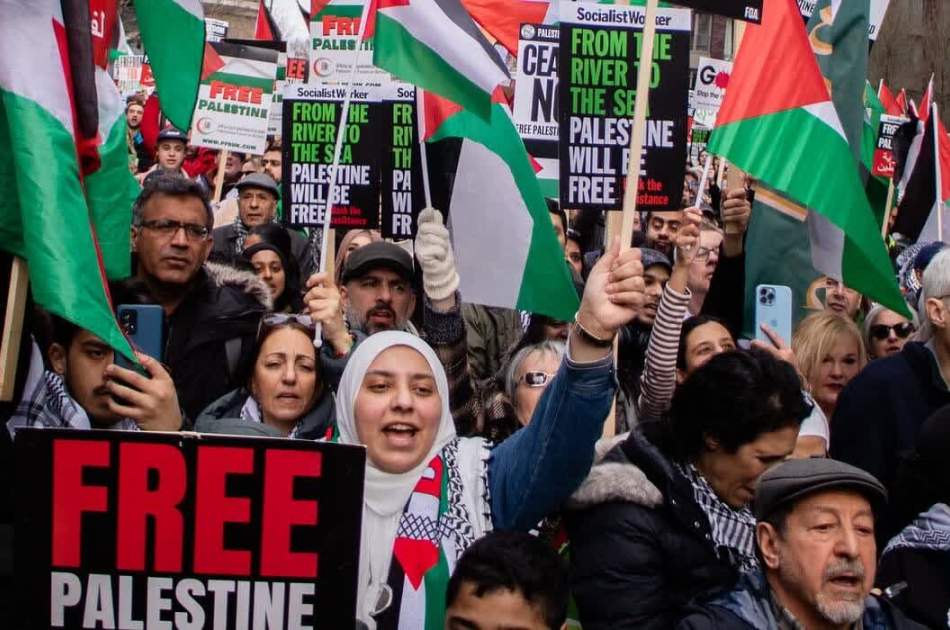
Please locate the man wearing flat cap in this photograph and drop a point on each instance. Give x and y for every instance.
(257, 204)
(817, 554)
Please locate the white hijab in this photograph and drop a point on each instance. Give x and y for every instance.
(384, 494)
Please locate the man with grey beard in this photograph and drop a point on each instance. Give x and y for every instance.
(815, 541)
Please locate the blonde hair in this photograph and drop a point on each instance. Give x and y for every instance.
(815, 337)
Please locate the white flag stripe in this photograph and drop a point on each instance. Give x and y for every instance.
(26, 33)
(248, 67)
(476, 213)
(826, 113)
(448, 41)
(191, 6)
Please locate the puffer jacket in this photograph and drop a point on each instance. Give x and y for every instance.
(224, 416)
(750, 607)
(916, 567)
(221, 313)
(641, 547)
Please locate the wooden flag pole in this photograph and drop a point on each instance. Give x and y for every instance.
(13, 327)
(887, 207)
(644, 71)
(736, 177)
(219, 177)
(624, 222)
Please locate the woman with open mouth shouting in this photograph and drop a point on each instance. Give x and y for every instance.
(430, 494)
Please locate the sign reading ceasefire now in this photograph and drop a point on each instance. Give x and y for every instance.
(142, 530)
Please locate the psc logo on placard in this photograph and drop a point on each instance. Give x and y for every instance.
(204, 125)
(528, 31)
(323, 67)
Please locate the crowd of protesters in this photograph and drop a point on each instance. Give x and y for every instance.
(784, 483)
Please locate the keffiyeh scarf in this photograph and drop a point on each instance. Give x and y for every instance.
(733, 531)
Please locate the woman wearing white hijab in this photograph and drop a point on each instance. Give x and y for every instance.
(429, 494)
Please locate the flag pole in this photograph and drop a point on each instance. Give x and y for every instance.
(887, 207)
(13, 327)
(337, 149)
(423, 163)
(644, 70)
(735, 177)
(623, 222)
(219, 176)
(934, 120)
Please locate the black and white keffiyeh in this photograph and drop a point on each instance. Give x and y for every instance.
(733, 531)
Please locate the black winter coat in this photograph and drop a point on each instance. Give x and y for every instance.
(222, 305)
(641, 547)
(879, 414)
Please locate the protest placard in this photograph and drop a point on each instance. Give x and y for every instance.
(289, 70)
(878, 10)
(712, 77)
(536, 100)
(883, 165)
(401, 168)
(597, 101)
(133, 74)
(234, 98)
(215, 30)
(120, 529)
(746, 10)
(311, 120)
(334, 38)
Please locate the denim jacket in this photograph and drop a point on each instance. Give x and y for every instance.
(535, 470)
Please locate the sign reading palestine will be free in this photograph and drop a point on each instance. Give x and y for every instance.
(311, 119)
(599, 49)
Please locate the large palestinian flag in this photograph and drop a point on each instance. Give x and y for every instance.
(777, 122)
(173, 35)
(505, 247)
(436, 45)
(54, 146)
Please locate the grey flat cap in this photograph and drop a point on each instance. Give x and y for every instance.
(259, 180)
(796, 478)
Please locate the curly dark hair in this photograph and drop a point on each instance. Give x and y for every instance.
(734, 398)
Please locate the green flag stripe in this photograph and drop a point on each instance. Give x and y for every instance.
(545, 288)
(829, 186)
(111, 191)
(339, 10)
(174, 42)
(398, 52)
(44, 218)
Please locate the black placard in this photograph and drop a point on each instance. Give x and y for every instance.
(133, 529)
(598, 48)
(401, 172)
(311, 118)
(746, 10)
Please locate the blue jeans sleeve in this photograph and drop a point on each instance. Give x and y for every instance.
(535, 470)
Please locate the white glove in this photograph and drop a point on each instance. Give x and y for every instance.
(434, 252)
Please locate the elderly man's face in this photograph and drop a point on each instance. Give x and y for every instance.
(821, 567)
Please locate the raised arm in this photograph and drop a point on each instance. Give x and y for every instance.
(531, 473)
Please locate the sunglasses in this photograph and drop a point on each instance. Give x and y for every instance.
(536, 379)
(279, 319)
(883, 331)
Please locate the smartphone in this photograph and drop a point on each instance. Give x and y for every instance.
(773, 306)
(143, 324)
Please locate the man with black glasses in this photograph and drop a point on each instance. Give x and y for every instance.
(211, 312)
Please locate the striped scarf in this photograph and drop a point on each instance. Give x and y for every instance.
(241, 232)
(733, 531)
(434, 530)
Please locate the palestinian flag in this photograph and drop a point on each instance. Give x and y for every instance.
(436, 45)
(285, 20)
(502, 19)
(893, 105)
(928, 187)
(58, 148)
(173, 35)
(778, 123)
(509, 217)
